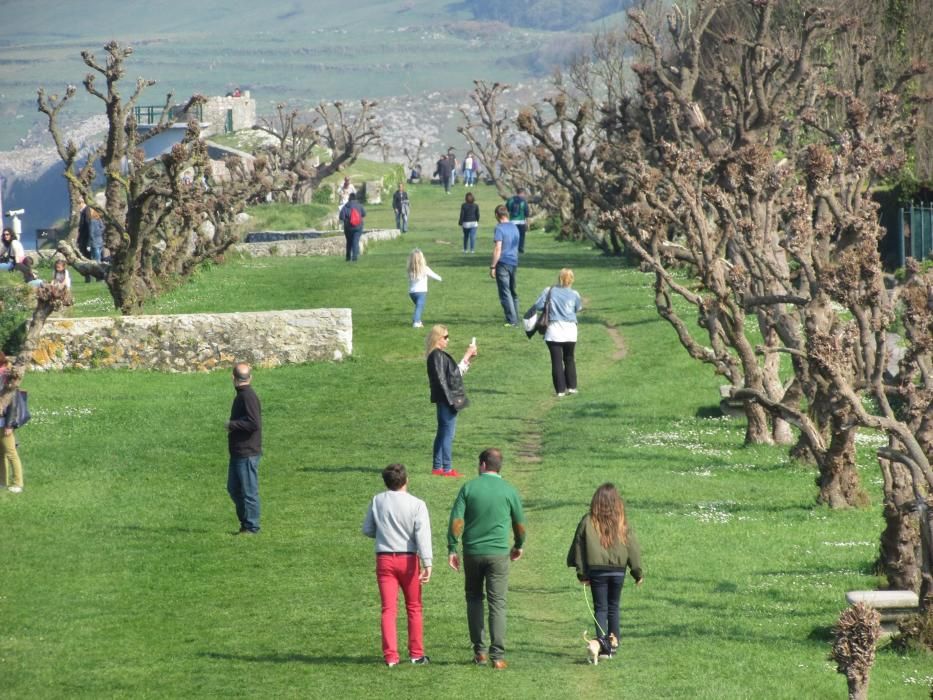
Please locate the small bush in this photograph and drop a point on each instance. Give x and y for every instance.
(915, 632)
(15, 309)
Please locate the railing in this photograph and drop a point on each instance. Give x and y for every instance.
(915, 225)
(150, 114)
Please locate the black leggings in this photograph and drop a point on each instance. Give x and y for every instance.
(563, 366)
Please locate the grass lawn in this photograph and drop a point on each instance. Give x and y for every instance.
(120, 579)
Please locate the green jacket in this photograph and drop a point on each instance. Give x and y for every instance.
(587, 553)
(485, 510)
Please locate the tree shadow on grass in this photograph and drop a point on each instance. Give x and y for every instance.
(342, 469)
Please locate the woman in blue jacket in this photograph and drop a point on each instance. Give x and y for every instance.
(561, 335)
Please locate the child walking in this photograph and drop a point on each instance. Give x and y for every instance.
(418, 273)
(604, 546)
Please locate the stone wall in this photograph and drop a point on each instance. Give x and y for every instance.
(331, 243)
(195, 342)
(214, 111)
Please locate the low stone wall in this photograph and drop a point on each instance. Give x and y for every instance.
(195, 342)
(330, 243)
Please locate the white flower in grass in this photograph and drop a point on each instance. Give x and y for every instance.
(849, 544)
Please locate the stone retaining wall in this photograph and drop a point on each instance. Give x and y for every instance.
(330, 243)
(195, 342)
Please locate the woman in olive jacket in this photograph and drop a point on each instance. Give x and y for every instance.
(446, 379)
(604, 546)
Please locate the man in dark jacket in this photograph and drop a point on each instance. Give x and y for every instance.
(443, 172)
(352, 216)
(244, 440)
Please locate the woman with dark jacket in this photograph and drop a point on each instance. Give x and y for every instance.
(446, 380)
(604, 546)
(469, 222)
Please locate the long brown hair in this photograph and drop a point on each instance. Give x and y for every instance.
(607, 513)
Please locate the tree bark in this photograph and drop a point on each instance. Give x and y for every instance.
(838, 479)
(900, 540)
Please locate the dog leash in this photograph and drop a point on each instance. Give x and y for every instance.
(592, 612)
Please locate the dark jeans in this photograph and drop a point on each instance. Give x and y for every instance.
(243, 487)
(563, 366)
(353, 244)
(493, 571)
(522, 228)
(508, 294)
(607, 594)
(444, 438)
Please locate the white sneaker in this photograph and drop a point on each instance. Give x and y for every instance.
(417, 324)
(561, 394)
(15, 489)
(571, 391)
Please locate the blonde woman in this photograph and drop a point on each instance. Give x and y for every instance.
(446, 380)
(418, 273)
(561, 334)
(604, 546)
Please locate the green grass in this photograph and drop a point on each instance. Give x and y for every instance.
(119, 578)
(288, 217)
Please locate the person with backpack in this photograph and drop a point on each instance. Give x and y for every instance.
(518, 215)
(401, 207)
(13, 417)
(352, 216)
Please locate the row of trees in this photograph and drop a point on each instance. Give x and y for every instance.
(732, 149)
(165, 216)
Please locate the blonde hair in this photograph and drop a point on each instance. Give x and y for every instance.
(607, 513)
(565, 277)
(416, 265)
(434, 338)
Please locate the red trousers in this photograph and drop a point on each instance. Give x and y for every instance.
(394, 571)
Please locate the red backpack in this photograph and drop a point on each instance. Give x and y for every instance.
(354, 218)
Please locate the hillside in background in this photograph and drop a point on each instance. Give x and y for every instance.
(280, 50)
(547, 14)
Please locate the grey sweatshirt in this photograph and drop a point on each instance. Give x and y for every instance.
(400, 523)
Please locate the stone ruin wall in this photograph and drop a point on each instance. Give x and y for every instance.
(195, 342)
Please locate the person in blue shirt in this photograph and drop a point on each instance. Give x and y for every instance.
(561, 334)
(504, 264)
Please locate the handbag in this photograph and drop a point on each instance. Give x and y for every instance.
(545, 315)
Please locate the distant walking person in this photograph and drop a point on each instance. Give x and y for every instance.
(343, 194)
(401, 207)
(452, 167)
(9, 422)
(485, 511)
(418, 273)
(469, 222)
(445, 377)
(442, 171)
(603, 547)
(469, 169)
(561, 336)
(352, 216)
(504, 265)
(400, 525)
(244, 441)
(518, 215)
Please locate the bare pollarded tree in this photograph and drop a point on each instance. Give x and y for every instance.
(312, 145)
(162, 216)
(491, 132)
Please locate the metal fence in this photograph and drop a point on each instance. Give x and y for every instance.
(915, 225)
(150, 114)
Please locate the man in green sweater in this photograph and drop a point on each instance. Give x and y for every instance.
(485, 510)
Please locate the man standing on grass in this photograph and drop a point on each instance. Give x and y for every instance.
(244, 440)
(400, 525)
(504, 264)
(485, 510)
(352, 216)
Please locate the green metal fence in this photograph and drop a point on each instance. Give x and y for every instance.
(150, 114)
(915, 225)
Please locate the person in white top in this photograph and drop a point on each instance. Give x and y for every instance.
(400, 524)
(418, 273)
(61, 276)
(344, 192)
(11, 250)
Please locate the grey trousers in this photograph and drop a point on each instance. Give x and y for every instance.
(491, 573)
